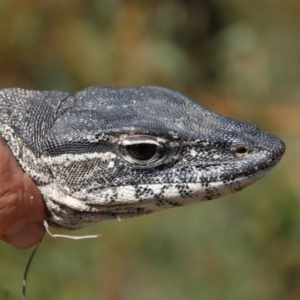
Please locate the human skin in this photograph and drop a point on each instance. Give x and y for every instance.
(22, 209)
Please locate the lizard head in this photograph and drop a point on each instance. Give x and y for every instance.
(124, 152)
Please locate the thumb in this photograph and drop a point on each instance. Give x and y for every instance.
(22, 208)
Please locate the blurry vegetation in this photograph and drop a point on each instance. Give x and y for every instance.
(238, 57)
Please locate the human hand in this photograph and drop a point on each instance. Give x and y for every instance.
(22, 209)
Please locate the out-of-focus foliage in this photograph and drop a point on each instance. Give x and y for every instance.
(238, 57)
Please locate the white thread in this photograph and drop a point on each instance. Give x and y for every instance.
(72, 237)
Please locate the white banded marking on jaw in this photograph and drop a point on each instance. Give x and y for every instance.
(111, 165)
(53, 192)
(125, 193)
(193, 153)
(66, 159)
(121, 194)
(141, 192)
(195, 192)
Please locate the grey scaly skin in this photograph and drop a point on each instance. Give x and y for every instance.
(107, 152)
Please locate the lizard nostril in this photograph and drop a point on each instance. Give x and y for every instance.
(241, 151)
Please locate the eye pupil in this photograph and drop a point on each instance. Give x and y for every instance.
(142, 151)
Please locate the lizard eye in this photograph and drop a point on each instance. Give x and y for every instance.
(142, 151)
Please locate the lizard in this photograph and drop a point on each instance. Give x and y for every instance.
(112, 152)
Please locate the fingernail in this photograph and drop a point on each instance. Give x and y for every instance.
(25, 234)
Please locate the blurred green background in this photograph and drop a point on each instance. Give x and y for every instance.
(237, 57)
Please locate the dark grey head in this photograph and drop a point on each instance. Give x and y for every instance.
(123, 152)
